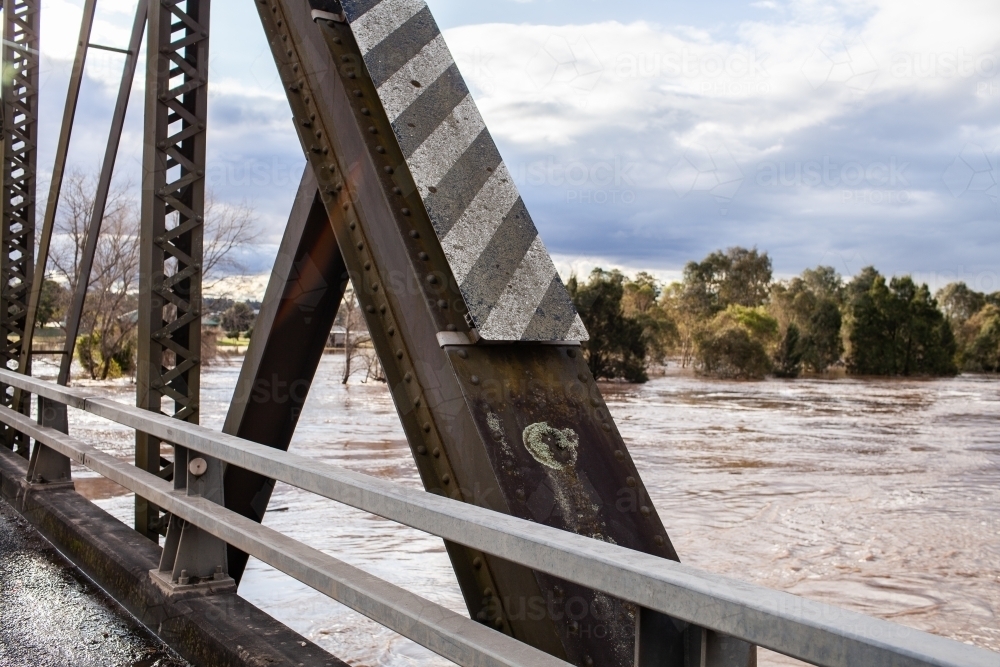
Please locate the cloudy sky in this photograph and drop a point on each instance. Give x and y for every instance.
(845, 133)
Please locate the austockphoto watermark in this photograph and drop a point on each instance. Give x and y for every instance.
(691, 64)
(735, 73)
(253, 173)
(602, 182)
(956, 64)
(876, 182)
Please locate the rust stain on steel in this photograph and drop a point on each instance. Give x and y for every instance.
(560, 461)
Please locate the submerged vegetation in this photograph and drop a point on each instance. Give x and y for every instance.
(727, 317)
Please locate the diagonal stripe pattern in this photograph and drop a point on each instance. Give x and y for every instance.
(505, 274)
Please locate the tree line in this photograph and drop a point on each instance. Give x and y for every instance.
(728, 318)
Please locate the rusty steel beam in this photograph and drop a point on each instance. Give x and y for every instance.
(75, 311)
(516, 427)
(55, 187)
(21, 61)
(290, 333)
(171, 234)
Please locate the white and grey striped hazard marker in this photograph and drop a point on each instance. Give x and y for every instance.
(506, 276)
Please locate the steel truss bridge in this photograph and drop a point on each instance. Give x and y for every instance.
(405, 197)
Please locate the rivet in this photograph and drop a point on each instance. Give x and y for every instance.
(414, 234)
(368, 266)
(399, 354)
(372, 130)
(644, 510)
(423, 256)
(387, 169)
(417, 402)
(498, 623)
(365, 111)
(346, 206)
(361, 246)
(571, 353)
(477, 562)
(352, 75)
(620, 455)
(582, 377)
(422, 450)
(446, 479)
(442, 304)
(375, 287)
(408, 377)
(520, 494)
(658, 540)
(380, 149)
(397, 191)
(595, 401)
(588, 661)
(427, 428)
(392, 331)
(432, 279)
(463, 354)
(371, 309)
(574, 626)
(405, 211)
(358, 93)
(606, 426)
(352, 224)
(474, 379)
(451, 327)
(488, 593)
(630, 481)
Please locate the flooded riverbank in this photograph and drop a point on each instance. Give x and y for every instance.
(881, 496)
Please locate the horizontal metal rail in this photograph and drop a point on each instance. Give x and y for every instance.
(448, 634)
(817, 633)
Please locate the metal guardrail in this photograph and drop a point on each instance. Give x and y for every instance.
(817, 633)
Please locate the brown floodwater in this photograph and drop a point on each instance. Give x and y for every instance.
(880, 496)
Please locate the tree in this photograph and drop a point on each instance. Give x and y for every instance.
(979, 337)
(897, 329)
(355, 336)
(238, 318)
(617, 348)
(811, 303)
(788, 358)
(109, 319)
(737, 277)
(52, 303)
(641, 302)
(959, 302)
(736, 343)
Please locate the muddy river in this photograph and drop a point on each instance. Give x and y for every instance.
(878, 496)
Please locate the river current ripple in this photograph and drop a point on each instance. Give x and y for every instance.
(880, 496)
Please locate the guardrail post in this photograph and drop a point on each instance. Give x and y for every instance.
(46, 465)
(665, 642)
(193, 560)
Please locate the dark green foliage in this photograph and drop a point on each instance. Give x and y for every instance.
(897, 329)
(812, 303)
(737, 277)
(735, 343)
(788, 358)
(732, 353)
(106, 361)
(822, 346)
(50, 303)
(616, 349)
